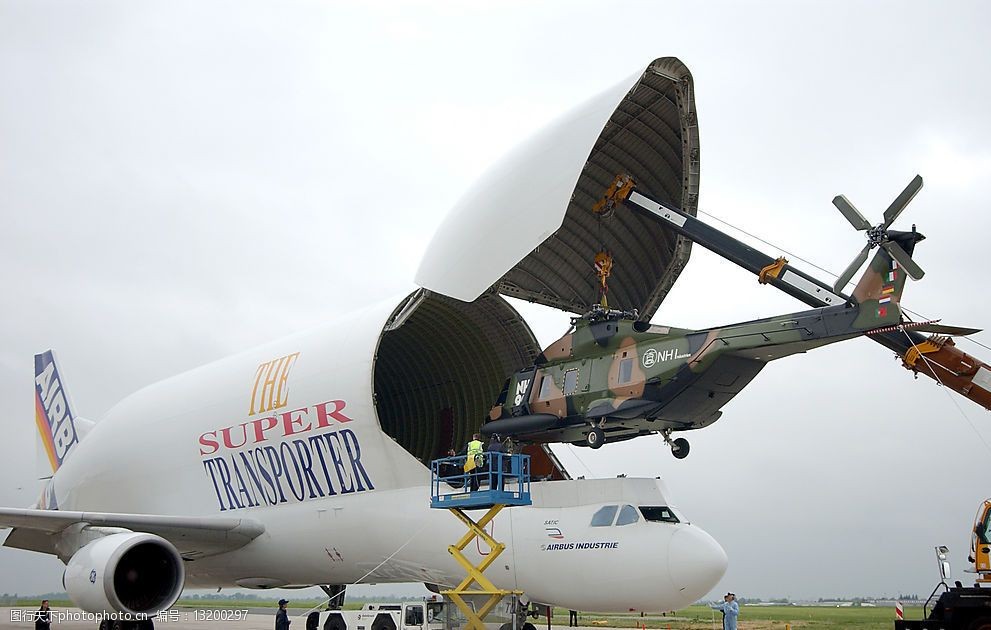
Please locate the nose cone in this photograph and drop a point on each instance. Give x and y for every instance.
(696, 563)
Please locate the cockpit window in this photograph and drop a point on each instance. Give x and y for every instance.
(502, 395)
(984, 529)
(627, 515)
(604, 517)
(545, 387)
(659, 514)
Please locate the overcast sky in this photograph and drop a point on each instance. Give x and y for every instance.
(182, 180)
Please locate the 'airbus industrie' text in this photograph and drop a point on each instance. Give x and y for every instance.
(580, 546)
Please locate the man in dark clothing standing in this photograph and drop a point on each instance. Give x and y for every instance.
(451, 472)
(282, 617)
(43, 618)
(495, 462)
(572, 618)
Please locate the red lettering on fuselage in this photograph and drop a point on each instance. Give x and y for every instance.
(323, 413)
(292, 419)
(209, 440)
(225, 433)
(270, 423)
(263, 429)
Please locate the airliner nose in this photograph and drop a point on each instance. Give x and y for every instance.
(696, 563)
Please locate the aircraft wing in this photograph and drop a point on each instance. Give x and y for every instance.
(193, 536)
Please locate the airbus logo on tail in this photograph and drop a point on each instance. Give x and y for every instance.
(52, 413)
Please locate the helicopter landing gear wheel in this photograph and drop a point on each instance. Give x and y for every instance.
(595, 438)
(679, 447)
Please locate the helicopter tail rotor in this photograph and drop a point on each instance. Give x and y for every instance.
(894, 243)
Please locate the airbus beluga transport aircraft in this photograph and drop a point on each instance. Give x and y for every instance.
(306, 461)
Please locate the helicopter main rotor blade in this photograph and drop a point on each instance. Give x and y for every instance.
(857, 263)
(852, 215)
(913, 270)
(901, 201)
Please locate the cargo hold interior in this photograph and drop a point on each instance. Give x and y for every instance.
(439, 368)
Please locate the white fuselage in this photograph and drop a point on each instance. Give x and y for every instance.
(287, 434)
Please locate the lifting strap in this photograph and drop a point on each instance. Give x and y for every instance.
(603, 267)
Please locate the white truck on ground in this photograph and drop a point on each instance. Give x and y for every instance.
(414, 615)
(429, 614)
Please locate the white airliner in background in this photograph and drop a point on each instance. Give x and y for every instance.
(305, 461)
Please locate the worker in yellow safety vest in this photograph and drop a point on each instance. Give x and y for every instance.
(474, 461)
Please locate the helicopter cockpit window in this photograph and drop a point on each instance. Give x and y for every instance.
(627, 515)
(570, 382)
(503, 394)
(545, 387)
(658, 514)
(604, 517)
(625, 371)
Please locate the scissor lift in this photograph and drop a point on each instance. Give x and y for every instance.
(504, 481)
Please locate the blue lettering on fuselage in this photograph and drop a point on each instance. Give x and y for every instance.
(260, 476)
(580, 546)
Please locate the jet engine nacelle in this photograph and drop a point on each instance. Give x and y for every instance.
(132, 573)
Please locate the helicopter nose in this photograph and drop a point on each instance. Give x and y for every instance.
(696, 563)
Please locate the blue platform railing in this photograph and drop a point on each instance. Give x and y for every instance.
(502, 479)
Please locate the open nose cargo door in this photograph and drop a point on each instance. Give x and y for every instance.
(526, 228)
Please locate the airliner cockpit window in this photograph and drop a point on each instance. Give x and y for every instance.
(658, 514)
(627, 515)
(604, 517)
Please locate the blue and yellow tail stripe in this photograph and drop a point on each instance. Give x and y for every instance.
(45, 431)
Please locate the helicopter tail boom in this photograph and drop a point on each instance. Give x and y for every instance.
(876, 295)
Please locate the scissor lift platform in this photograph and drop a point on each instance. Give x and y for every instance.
(506, 479)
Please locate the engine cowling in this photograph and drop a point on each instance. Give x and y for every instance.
(134, 573)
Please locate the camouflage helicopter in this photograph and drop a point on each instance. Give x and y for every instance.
(613, 377)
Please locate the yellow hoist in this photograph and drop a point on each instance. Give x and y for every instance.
(617, 192)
